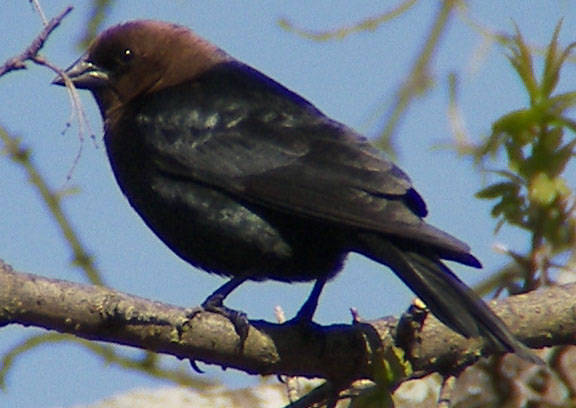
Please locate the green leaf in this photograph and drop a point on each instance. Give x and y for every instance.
(551, 67)
(516, 124)
(554, 63)
(515, 156)
(562, 102)
(561, 158)
(522, 61)
(498, 190)
(389, 365)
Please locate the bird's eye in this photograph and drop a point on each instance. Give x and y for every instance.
(122, 59)
(127, 55)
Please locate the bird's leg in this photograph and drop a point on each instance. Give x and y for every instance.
(307, 310)
(214, 303)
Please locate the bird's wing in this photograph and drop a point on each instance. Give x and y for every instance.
(241, 132)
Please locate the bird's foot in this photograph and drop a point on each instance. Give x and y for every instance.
(239, 320)
(303, 322)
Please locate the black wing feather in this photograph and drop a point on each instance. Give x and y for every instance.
(265, 144)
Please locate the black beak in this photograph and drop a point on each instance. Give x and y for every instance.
(84, 74)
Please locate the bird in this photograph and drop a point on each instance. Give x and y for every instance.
(243, 178)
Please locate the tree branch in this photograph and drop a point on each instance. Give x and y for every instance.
(31, 53)
(337, 352)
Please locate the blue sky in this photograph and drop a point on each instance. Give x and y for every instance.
(351, 80)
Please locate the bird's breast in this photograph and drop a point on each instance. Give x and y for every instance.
(216, 231)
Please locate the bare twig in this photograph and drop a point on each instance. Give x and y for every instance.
(21, 156)
(19, 61)
(77, 108)
(445, 397)
(368, 24)
(38, 8)
(32, 54)
(291, 383)
(418, 81)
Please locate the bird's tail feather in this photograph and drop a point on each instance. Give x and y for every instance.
(449, 299)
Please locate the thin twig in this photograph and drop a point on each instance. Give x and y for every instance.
(418, 81)
(19, 62)
(21, 156)
(77, 109)
(368, 24)
(38, 8)
(291, 383)
(444, 399)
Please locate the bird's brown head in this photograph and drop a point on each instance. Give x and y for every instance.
(138, 57)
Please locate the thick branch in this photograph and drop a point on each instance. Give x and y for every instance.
(540, 319)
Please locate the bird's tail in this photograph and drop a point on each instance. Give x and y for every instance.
(449, 299)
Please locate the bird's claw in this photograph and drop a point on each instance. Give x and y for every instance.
(195, 367)
(238, 319)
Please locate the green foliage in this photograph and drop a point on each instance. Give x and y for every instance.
(538, 142)
(389, 367)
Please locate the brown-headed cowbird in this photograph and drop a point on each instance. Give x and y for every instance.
(243, 178)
